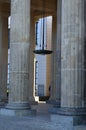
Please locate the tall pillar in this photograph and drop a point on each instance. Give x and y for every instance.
(58, 55)
(3, 57)
(53, 61)
(18, 103)
(72, 60)
(84, 51)
(56, 58)
(31, 67)
(72, 54)
(48, 57)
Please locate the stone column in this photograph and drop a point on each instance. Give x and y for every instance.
(84, 51)
(3, 57)
(31, 67)
(72, 54)
(19, 59)
(56, 58)
(48, 57)
(58, 55)
(53, 62)
(72, 61)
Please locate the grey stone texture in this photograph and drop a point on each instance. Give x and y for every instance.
(19, 52)
(72, 54)
(58, 53)
(72, 61)
(31, 61)
(3, 57)
(42, 121)
(56, 57)
(84, 51)
(18, 102)
(53, 91)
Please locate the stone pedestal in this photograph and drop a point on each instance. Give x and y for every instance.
(66, 122)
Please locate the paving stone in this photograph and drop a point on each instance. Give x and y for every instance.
(42, 121)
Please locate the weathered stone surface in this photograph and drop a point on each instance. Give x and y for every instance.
(31, 61)
(3, 57)
(19, 51)
(19, 58)
(72, 62)
(72, 54)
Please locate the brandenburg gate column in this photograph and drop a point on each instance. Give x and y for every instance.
(53, 62)
(72, 60)
(56, 58)
(3, 56)
(31, 67)
(18, 103)
(72, 55)
(58, 55)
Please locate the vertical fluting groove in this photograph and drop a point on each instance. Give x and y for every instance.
(82, 41)
(70, 74)
(75, 90)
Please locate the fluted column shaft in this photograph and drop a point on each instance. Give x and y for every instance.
(58, 54)
(53, 62)
(56, 57)
(3, 56)
(84, 51)
(31, 67)
(72, 54)
(19, 52)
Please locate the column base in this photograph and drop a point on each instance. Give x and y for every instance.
(54, 102)
(18, 106)
(3, 102)
(33, 102)
(78, 115)
(68, 111)
(17, 109)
